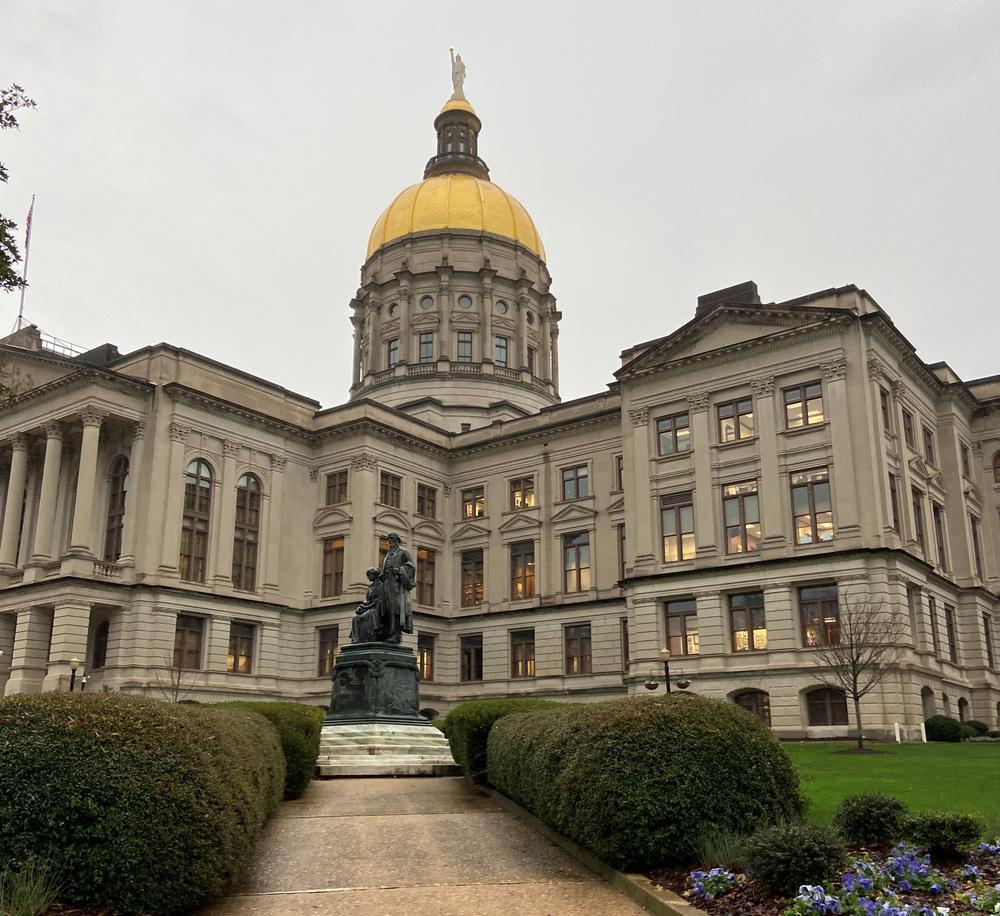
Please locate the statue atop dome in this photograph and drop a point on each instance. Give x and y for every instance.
(457, 75)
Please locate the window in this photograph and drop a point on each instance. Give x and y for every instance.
(963, 709)
(677, 524)
(99, 657)
(465, 346)
(427, 303)
(240, 659)
(501, 307)
(197, 517)
(425, 656)
(532, 359)
(426, 564)
(246, 534)
(471, 650)
(929, 446)
(673, 434)
(522, 493)
(886, 405)
(619, 468)
(621, 551)
(820, 615)
(474, 502)
(575, 482)
(625, 649)
(426, 501)
(425, 342)
(465, 301)
(741, 514)
(804, 405)
(812, 513)
(894, 502)
(336, 487)
(827, 706)
(977, 547)
(472, 577)
(522, 653)
(908, 436)
(949, 628)
(577, 640)
(500, 350)
(389, 489)
(187, 642)
(996, 468)
(392, 353)
(935, 635)
(465, 427)
(987, 637)
(735, 420)
(963, 451)
(522, 570)
(576, 562)
(746, 617)
(757, 703)
(918, 518)
(682, 627)
(333, 567)
(913, 606)
(329, 639)
(116, 510)
(937, 517)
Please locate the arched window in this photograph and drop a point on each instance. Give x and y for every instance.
(927, 701)
(827, 706)
(963, 709)
(197, 517)
(100, 653)
(996, 468)
(247, 534)
(116, 510)
(756, 702)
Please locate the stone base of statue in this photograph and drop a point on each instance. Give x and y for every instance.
(374, 726)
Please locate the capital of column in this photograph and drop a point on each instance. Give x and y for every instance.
(836, 369)
(639, 416)
(54, 430)
(19, 442)
(698, 400)
(762, 386)
(876, 368)
(232, 449)
(278, 463)
(139, 431)
(91, 416)
(364, 462)
(178, 433)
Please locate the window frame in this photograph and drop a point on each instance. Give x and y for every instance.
(470, 649)
(332, 566)
(740, 498)
(895, 518)
(803, 402)
(426, 576)
(813, 515)
(833, 704)
(940, 542)
(755, 621)
(501, 351)
(736, 405)
(674, 505)
(668, 430)
(919, 529)
(909, 430)
(576, 482)
(930, 446)
(472, 576)
(885, 404)
(114, 526)
(392, 353)
(336, 487)
(524, 489)
(463, 346)
(326, 660)
(578, 653)
(183, 625)
(761, 709)
(196, 524)
(827, 630)
(688, 637)
(473, 501)
(246, 532)
(243, 636)
(426, 500)
(577, 575)
(390, 489)
(523, 575)
(425, 347)
(425, 656)
(951, 630)
(522, 653)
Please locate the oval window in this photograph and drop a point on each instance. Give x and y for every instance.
(427, 303)
(530, 317)
(501, 307)
(394, 310)
(465, 301)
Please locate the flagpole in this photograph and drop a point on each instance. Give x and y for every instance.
(24, 273)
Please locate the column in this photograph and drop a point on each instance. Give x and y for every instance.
(906, 522)
(846, 516)
(15, 501)
(70, 628)
(127, 557)
(223, 536)
(83, 515)
(8, 623)
(643, 529)
(31, 646)
(545, 356)
(522, 332)
(554, 334)
(711, 628)
(486, 344)
(50, 493)
(770, 497)
(405, 317)
(274, 521)
(360, 552)
(444, 313)
(704, 503)
(359, 324)
(173, 516)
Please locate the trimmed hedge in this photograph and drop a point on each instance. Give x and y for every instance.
(943, 728)
(786, 856)
(299, 727)
(944, 834)
(137, 805)
(871, 817)
(467, 728)
(979, 728)
(638, 780)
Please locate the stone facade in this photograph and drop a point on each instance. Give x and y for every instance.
(732, 474)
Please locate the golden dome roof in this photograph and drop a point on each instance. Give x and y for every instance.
(455, 202)
(457, 105)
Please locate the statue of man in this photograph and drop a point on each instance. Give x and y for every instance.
(399, 574)
(367, 622)
(457, 75)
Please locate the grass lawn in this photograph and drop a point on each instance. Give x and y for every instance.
(948, 777)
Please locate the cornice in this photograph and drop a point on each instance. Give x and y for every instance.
(88, 376)
(612, 415)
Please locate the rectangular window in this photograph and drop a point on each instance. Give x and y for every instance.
(735, 420)
(746, 619)
(522, 493)
(575, 482)
(682, 627)
(240, 659)
(619, 468)
(465, 346)
(673, 434)
(187, 642)
(383, 549)
(426, 501)
(336, 487)
(472, 577)
(500, 348)
(474, 502)
(803, 405)
(329, 639)
(625, 649)
(820, 615)
(988, 638)
(333, 567)
(894, 502)
(576, 562)
(426, 564)
(578, 656)
(812, 512)
(913, 605)
(935, 635)
(425, 341)
(392, 353)
(929, 446)
(522, 653)
(963, 451)
(937, 516)
(908, 437)
(977, 547)
(425, 656)
(741, 514)
(522, 570)
(918, 518)
(532, 357)
(621, 552)
(471, 651)
(886, 405)
(949, 627)
(677, 525)
(390, 487)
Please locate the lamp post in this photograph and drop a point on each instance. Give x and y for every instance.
(74, 663)
(665, 658)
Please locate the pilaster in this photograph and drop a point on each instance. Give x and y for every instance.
(31, 650)
(274, 520)
(135, 469)
(772, 516)
(704, 504)
(227, 515)
(846, 515)
(174, 510)
(70, 628)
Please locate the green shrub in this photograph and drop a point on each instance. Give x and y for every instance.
(944, 834)
(467, 728)
(995, 733)
(438, 724)
(979, 729)
(968, 731)
(638, 780)
(136, 805)
(785, 856)
(29, 891)
(299, 728)
(943, 728)
(871, 817)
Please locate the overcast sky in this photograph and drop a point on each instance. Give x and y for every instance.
(208, 172)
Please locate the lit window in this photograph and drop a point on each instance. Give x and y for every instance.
(576, 562)
(578, 651)
(803, 405)
(673, 434)
(333, 567)
(472, 577)
(522, 570)
(677, 522)
(522, 653)
(812, 512)
(328, 642)
(735, 420)
(522, 493)
(425, 656)
(474, 502)
(240, 659)
(426, 564)
(682, 627)
(820, 615)
(746, 618)
(741, 513)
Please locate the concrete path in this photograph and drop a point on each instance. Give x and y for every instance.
(397, 847)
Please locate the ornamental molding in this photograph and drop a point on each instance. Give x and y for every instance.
(899, 391)
(763, 386)
(972, 492)
(834, 370)
(313, 474)
(179, 433)
(91, 416)
(231, 448)
(698, 401)
(19, 442)
(977, 447)
(642, 600)
(138, 431)
(278, 463)
(364, 462)
(876, 368)
(639, 416)
(919, 466)
(447, 490)
(54, 430)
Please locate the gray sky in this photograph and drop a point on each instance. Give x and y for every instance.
(208, 172)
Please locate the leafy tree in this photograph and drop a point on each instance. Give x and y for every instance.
(12, 100)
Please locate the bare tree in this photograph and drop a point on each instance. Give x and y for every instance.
(172, 680)
(860, 651)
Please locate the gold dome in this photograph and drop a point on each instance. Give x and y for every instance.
(457, 105)
(455, 202)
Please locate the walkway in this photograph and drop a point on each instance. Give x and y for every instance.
(397, 847)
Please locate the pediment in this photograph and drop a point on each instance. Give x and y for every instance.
(425, 319)
(332, 515)
(464, 319)
(574, 512)
(522, 521)
(618, 505)
(503, 323)
(428, 528)
(470, 531)
(390, 520)
(919, 466)
(21, 371)
(972, 492)
(390, 329)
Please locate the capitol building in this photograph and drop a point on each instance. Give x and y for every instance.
(180, 527)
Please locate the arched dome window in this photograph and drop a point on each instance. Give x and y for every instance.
(116, 510)
(197, 518)
(246, 536)
(826, 706)
(755, 702)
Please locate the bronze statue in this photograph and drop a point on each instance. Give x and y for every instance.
(399, 574)
(367, 623)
